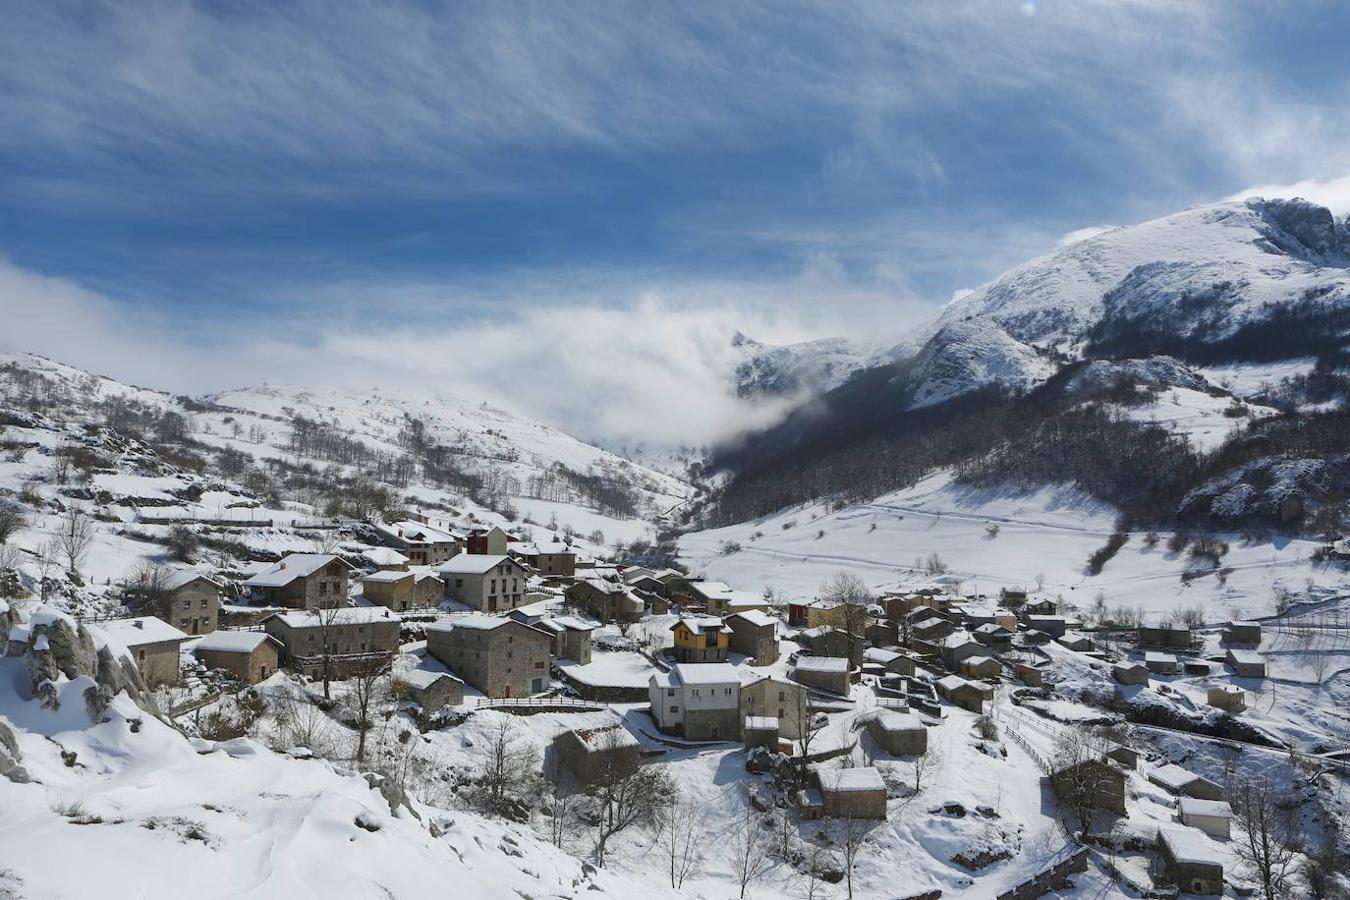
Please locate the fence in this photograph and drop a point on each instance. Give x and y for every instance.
(538, 703)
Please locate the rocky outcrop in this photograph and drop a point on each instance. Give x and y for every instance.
(10, 759)
(58, 646)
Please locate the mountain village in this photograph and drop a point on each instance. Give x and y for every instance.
(913, 734)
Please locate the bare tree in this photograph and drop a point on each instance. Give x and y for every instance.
(854, 597)
(925, 764)
(11, 520)
(1081, 776)
(508, 769)
(146, 590)
(682, 832)
(561, 813)
(1268, 836)
(75, 537)
(809, 727)
(635, 798)
(855, 831)
(368, 683)
(749, 848)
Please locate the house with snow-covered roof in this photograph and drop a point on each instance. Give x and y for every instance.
(1246, 663)
(571, 635)
(722, 599)
(152, 642)
(552, 559)
(700, 639)
(340, 640)
(698, 701)
(502, 657)
(250, 656)
(856, 793)
(187, 599)
(599, 753)
(1194, 862)
(402, 590)
(778, 698)
(302, 581)
(489, 583)
(422, 543)
(608, 601)
(826, 673)
(754, 633)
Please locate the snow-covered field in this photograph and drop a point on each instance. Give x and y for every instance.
(1043, 536)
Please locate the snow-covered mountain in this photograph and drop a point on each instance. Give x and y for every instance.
(787, 369)
(1128, 324)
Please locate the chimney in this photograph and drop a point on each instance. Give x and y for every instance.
(138, 623)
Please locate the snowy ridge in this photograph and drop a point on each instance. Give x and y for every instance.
(970, 355)
(1212, 268)
(782, 370)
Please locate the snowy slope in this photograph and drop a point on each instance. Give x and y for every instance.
(970, 355)
(1045, 534)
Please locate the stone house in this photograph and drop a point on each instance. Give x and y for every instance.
(1213, 817)
(1246, 663)
(928, 626)
(698, 701)
(827, 641)
(385, 559)
(1055, 626)
(1243, 633)
(302, 581)
(882, 634)
(1176, 637)
(403, 590)
(432, 691)
(1130, 673)
(1195, 866)
(348, 637)
(994, 636)
(959, 692)
(250, 656)
(1042, 607)
(722, 600)
(153, 643)
(778, 698)
(1072, 640)
(499, 656)
(1102, 781)
(892, 661)
(1029, 675)
(1182, 782)
(817, 614)
(898, 734)
(190, 601)
(422, 543)
(487, 541)
(1161, 663)
(598, 754)
(857, 793)
(552, 559)
(487, 582)
(571, 637)
(1230, 698)
(980, 667)
(700, 639)
(825, 673)
(648, 584)
(608, 601)
(754, 633)
(1014, 595)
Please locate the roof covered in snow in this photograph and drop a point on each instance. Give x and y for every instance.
(296, 565)
(849, 780)
(1193, 806)
(822, 664)
(473, 564)
(141, 630)
(351, 615)
(233, 641)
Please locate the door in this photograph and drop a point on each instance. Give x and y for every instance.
(536, 685)
(714, 732)
(194, 626)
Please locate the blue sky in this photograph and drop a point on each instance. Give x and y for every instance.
(194, 172)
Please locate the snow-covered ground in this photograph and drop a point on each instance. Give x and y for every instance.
(1043, 536)
(1195, 415)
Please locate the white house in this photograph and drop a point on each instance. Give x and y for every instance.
(1213, 817)
(699, 701)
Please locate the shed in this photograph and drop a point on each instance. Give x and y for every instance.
(250, 656)
(1130, 673)
(597, 753)
(1229, 698)
(433, 690)
(980, 667)
(1161, 663)
(898, 734)
(1181, 781)
(1247, 663)
(827, 673)
(1213, 817)
(857, 793)
(761, 731)
(1195, 864)
(1243, 633)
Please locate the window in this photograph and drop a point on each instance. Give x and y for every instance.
(183, 622)
(538, 665)
(670, 692)
(728, 692)
(206, 603)
(695, 692)
(323, 589)
(674, 709)
(459, 582)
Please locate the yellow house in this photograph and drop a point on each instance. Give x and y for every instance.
(818, 614)
(401, 591)
(700, 639)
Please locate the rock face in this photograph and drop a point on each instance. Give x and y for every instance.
(58, 645)
(10, 758)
